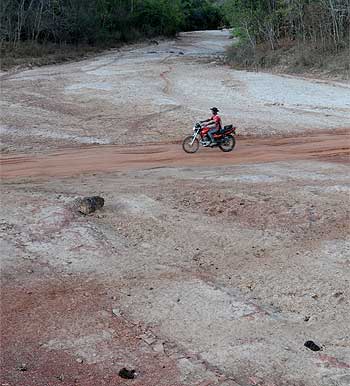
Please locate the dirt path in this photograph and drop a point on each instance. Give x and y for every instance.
(70, 162)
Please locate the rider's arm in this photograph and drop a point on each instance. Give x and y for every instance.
(206, 120)
(209, 122)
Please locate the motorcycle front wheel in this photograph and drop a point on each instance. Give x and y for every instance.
(190, 147)
(227, 143)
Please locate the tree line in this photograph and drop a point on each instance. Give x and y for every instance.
(102, 21)
(323, 24)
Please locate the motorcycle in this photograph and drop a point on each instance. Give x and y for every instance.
(225, 139)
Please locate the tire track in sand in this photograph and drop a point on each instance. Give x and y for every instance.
(113, 158)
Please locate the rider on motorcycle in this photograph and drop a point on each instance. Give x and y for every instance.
(214, 123)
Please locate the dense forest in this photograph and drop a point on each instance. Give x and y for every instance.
(325, 23)
(302, 33)
(103, 21)
(321, 26)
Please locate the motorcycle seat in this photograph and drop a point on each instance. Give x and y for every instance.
(226, 128)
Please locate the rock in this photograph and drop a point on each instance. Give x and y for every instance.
(116, 312)
(181, 53)
(22, 367)
(154, 42)
(149, 338)
(89, 205)
(159, 348)
(312, 346)
(127, 374)
(196, 256)
(60, 377)
(79, 360)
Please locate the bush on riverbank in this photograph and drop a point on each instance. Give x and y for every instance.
(292, 58)
(294, 34)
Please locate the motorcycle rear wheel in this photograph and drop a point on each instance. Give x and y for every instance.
(228, 143)
(186, 144)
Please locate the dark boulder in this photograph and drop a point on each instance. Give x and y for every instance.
(127, 374)
(89, 205)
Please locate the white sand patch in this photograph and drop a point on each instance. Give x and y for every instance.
(93, 86)
(35, 132)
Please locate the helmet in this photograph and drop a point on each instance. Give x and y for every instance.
(214, 109)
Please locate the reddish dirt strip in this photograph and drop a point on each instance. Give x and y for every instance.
(333, 146)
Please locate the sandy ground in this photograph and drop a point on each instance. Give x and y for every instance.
(155, 93)
(205, 269)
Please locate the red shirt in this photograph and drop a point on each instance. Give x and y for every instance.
(217, 121)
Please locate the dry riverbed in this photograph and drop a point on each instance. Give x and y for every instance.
(205, 269)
